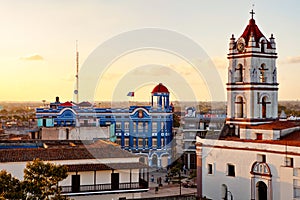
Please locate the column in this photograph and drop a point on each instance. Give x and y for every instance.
(199, 169)
(270, 191)
(130, 135)
(189, 160)
(253, 188)
(158, 135)
(130, 178)
(158, 161)
(149, 135)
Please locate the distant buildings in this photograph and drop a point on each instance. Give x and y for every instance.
(201, 125)
(258, 155)
(143, 130)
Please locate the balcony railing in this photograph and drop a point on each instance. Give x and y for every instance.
(102, 187)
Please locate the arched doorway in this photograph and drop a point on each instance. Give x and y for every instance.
(154, 160)
(261, 181)
(262, 191)
(224, 191)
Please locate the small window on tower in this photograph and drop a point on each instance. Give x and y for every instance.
(209, 169)
(230, 170)
(239, 73)
(262, 46)
(259, 136)
(289, 162)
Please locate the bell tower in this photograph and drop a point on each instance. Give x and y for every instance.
(252, 88)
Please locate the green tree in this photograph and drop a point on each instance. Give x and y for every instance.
(10, 187)
(41, 180)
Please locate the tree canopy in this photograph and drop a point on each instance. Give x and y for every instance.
(40, 182)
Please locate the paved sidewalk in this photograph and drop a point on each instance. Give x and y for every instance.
(167, 189)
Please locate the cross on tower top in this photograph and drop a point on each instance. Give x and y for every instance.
(252, 13)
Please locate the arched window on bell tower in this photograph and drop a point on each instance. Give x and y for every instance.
(240, 107)
(263, 74)
(262, 46)
(264, 103)
(239, 73)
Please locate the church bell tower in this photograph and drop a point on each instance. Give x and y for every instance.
(252, 88)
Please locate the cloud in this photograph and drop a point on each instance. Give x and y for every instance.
(34, 57)
(293, 59)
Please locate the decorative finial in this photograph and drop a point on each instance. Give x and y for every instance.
(252, 13)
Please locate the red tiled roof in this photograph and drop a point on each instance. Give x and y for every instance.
(107, 166)
(67, 104)
(160, 88)
(295, 136)
(252, 28)
(87, 167)
(97, 150)
(275, 142)
(276, 125)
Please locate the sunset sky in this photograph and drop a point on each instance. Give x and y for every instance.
(38, 42)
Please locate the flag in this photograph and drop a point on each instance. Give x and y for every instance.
(130, 94)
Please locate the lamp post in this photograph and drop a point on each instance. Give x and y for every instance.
(179, 182)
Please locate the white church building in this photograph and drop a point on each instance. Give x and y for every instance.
(258, 154)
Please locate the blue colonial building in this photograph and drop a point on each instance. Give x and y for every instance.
(143, 130)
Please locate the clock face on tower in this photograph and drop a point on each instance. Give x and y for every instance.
(240, 44)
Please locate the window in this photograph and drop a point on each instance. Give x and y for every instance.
(67, 133)
(209, 169)
(140, 127)
(262, 48)
(239, 73)
(296, 184)
(118, 141)
(230, 170)
(126, 142)
(146, 142)
(154, 126)
(126, 125)
(154, 144)
(261, 158)
(162, 142)
(118, 125)
(140, 142)
(259, 136)
(296, 172)
(239, 107)
(264, 107)
(288, 162)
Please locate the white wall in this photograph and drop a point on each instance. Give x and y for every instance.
(243, 155)
(75, 133)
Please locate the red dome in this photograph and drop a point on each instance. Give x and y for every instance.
(160, 88)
